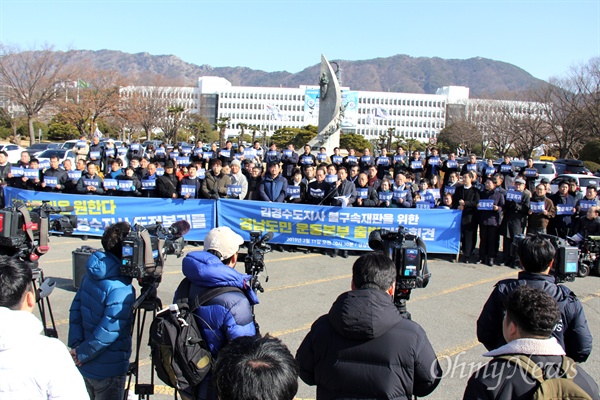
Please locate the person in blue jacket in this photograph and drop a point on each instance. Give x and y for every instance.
(100, 319)
(273, 187)
(228, 315)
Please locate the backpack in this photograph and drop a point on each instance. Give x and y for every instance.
(562, 387)
(180, 355)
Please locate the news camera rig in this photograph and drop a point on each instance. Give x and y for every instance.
(409, 254)
(566, 259)
(254, 263)
(24, 233)
(144, 252)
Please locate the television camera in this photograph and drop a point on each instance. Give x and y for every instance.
(254, 262)
(409, 254)
(146, 247)
(589, 258)
(566, 259)
(24, 232)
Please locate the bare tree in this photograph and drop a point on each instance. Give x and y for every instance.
(32, 79)
(174, 117)
(96, 95)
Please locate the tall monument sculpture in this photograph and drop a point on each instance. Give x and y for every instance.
(330, 107)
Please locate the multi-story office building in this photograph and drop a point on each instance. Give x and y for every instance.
(371, 114)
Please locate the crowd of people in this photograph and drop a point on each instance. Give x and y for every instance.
(496, 201)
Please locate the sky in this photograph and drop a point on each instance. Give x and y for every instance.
(545, 38)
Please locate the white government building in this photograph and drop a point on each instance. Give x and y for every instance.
(371, 114)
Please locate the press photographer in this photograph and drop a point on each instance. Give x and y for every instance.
(537, 256)
(227, 315)
(363, 348)
(101, 317)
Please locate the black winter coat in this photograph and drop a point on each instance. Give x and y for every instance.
(471, 198)
(501, 379)
(572, 332)
(364, 349)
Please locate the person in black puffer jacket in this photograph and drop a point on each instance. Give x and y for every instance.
(536, 255)
(531, 316)
(363, 348)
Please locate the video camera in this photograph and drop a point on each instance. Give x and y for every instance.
(145, 250)
(24, 231)
(254, 262)
(409, 254)
(566, 258)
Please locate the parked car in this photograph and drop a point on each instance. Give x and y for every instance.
(582, 181)
(14, 152)
(62, 155)
(570, 166)
(69, 144)
(37, 148)
(546, 169)
(155, 143)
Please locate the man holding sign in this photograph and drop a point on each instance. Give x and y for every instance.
(565, 208)
(489, 208)
(541, 211)
(54, 177)
(516, 211)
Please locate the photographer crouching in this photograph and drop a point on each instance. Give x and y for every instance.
(100, 319)
(228, 315)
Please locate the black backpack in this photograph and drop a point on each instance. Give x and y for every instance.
(179, 353)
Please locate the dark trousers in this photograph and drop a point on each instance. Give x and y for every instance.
(488, 241)
(469, 237)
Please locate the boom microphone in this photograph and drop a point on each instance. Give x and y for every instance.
(179, 228)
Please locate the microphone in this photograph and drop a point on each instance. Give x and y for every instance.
(179, 228)
(263, 241)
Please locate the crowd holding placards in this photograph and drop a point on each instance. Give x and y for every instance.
(495, 200)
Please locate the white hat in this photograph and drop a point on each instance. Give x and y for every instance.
(236, 162)
(223, 240)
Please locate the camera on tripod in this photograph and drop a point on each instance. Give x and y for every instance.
(24, 232)
(254, 262)
(566, 258)
(409, 254)
(145, 250)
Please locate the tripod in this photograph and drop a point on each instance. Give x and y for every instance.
(44, 304)
(147, 302)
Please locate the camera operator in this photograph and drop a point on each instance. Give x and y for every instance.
(32, 366)
(363, 348)
(531, 316)
(228, 315)
(100, 319)
(536, 255)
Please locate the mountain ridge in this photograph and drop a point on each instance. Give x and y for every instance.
(485, 77)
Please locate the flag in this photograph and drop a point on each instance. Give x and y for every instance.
(276, 113)
(82, 84)
(381, 113)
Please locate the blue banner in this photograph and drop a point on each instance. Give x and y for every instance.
(97, 212)
(336, 227)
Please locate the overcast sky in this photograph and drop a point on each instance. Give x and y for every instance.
(545, 38)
